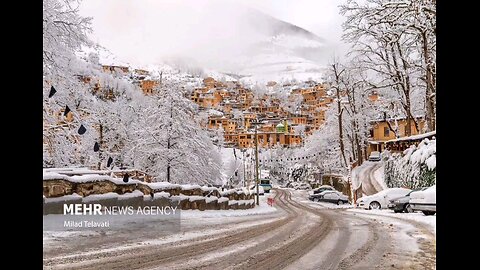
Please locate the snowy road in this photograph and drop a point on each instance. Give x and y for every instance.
(370, 175)
(300, 235)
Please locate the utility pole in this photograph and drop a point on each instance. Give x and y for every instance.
(244, 176)
(101, 144)
(250, 166)
(256, 164)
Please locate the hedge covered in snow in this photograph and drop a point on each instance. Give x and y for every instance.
(414, 168)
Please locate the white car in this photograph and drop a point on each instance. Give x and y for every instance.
(304, 186)
(375, 156)
(381, 199)
(425, 201)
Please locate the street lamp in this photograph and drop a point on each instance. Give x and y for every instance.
(256, 161)
(244, 179)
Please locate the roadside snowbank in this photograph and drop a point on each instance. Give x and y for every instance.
(261, 209)
(429, 221)
(362, 174)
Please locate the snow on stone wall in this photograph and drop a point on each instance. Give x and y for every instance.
(104, 189)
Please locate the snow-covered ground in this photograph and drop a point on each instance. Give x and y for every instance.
(263, 208)
(186, 216)
(326, 205)
(323, 239)
(262, 69)
(302, 197)
(429, 221)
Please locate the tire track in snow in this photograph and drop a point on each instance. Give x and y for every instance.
(286, 254)
(148, 257)
(425, 239)
(362, 252)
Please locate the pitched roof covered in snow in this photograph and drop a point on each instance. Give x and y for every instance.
(414, 137)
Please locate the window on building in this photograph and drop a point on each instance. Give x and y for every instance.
(386, 132)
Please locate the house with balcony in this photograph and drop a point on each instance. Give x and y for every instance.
(382, 131)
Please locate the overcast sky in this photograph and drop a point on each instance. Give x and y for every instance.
(318, 16)
(145, 31)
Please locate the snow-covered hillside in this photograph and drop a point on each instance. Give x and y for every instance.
(232, 41)
(282, 53)
(283, 57)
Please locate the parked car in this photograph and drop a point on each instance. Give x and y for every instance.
(332, 196)
(315, 197)
(425, 201)
(374, 156)
(322, 189)
(401, 204)
(304, 186)
(380, 200)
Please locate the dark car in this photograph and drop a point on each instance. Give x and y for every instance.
(314, 197)
(331, 196)
(400, 204)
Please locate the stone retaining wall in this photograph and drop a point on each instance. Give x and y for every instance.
(108, 193)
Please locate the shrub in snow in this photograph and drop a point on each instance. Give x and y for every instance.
(414, 168)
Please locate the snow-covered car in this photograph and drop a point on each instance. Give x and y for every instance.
(304, 186)
(316, 196)
(374, 156)
(425, 201)
(401, 204)
(331, 196)
(322, 188)
(381, 199)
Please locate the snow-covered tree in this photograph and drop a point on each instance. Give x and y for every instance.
(293, 103)
(324, 145)
(414, 168)
(75, 79)
(64, 32)
(396, 41)
(357, 110)
(159, 134)
(169, 143)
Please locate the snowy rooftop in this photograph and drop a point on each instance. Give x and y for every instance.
(394, 118)
(213, 112)
(415, 137)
